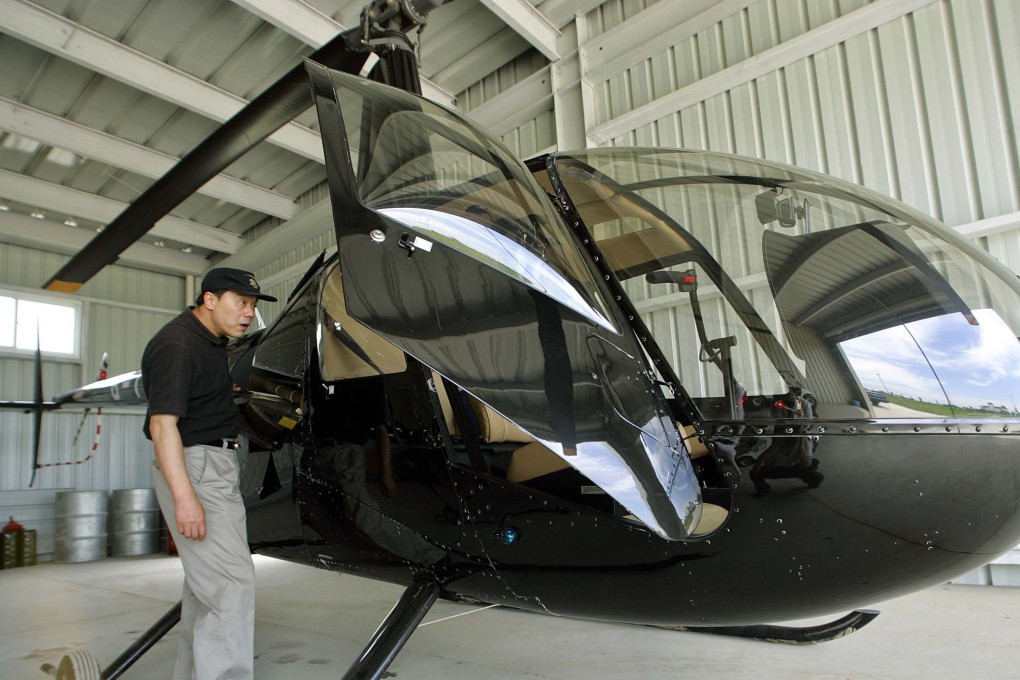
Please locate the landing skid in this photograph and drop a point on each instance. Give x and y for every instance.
(394, 632)
(796, 635)
(373, 661)
(81, 665)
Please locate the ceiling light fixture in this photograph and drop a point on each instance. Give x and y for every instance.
(159, 244)
(99, 229)
(71, 222)
(38, 214)
(187, 249)
(4, 207)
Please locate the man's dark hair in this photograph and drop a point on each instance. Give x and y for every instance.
(201, 296)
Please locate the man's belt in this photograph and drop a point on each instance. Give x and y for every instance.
(220, 443)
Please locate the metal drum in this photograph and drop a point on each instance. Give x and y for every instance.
(81, 526)
(134, 522)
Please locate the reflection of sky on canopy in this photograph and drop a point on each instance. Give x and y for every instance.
(497, 251)
(607, 468)
(975, 364)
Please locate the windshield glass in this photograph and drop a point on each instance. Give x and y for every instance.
(757, 280)
(432, 172)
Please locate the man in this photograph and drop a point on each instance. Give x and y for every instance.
(192, 422)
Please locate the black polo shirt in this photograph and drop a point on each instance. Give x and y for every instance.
(184, 372)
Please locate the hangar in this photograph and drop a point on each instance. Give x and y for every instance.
(911, 99)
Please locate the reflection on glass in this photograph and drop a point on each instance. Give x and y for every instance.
(943, 366)
(411, 154)
(487, 284)
(804, 285)
(491, 247)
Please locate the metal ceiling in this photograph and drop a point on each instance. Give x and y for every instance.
(100, 97)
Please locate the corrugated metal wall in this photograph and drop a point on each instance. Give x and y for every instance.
(917, 108)
(532, 137)
(121, 308)
(30, 268)
(917, 99)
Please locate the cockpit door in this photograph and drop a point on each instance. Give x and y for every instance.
(450, 250)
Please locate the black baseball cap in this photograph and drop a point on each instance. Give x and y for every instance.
(237, 280)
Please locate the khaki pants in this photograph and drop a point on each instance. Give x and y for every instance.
(217, 638)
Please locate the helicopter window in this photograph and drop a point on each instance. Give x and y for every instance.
(636, 241)
(808, 282)
(348, 349)
(515, 455)
(430, 171)
(284, 349)
(727, 357)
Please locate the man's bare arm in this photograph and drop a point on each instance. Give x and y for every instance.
(166, 439)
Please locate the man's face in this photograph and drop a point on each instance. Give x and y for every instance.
(232, 313)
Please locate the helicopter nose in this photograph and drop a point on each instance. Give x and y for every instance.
(914, 502)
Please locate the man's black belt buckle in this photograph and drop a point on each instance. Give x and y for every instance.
(221, 443)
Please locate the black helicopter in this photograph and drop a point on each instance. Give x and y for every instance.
(618, 384)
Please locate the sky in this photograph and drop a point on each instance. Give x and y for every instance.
(973, 365)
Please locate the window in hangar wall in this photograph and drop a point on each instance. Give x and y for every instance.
(25, 317)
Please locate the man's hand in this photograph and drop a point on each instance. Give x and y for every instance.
(190, 518)
(188, 511)
(389, 485)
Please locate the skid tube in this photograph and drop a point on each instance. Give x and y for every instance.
(394, 631)
(143, 644)
(794, 635)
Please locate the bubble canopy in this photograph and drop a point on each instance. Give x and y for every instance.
(757, 278)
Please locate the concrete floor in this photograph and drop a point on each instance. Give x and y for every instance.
(312, 623)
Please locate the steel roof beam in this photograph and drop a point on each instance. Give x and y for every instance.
(296, 18)
(46, 235)
(55, 34)
(461, 74)
(529, 23)
(68, 201)
(562, 12)
(84, 141)
(989, 226)
(517, 105)
(309, 224)
(651, 32)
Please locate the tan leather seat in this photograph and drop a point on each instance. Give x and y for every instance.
(531, 461)
(492, 427)
(712, 517)
(695, 447)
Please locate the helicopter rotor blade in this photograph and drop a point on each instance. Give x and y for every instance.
(37, 409)
(266, 113)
